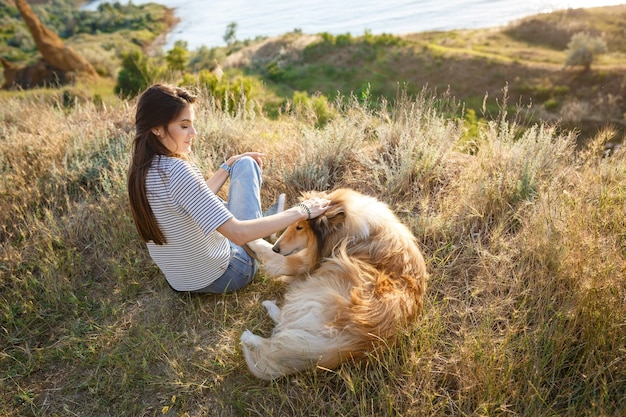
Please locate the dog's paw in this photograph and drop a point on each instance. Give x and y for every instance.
(262, 249)
(274, 265)
(271, 262)
(249, 339)
(272, 310)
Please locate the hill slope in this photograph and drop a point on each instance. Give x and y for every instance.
(527, 58)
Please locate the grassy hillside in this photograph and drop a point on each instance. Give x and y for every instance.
(526, 58)
(524, 238)
(520, 66)
(523, 232)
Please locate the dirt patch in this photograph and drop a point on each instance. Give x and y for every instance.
(281, 49)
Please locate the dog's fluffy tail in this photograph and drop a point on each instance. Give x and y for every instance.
(289, 352)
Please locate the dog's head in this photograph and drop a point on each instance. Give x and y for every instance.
(347, 217)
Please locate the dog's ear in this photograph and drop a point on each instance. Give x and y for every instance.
(328, 223)
(337, 213)
(320, 226)
(335, 216)
(335, 209)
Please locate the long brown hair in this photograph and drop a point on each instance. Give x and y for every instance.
(157, 107)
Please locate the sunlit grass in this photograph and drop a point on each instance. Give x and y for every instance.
(524, 238)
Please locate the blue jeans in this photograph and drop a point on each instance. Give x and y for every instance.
(244, 202)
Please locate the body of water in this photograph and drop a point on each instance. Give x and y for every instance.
(204, 22)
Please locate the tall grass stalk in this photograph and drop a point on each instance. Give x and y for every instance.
(524, 237)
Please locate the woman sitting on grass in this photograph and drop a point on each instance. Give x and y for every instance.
(194, 237)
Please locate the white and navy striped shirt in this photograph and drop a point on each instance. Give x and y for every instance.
(188, 213)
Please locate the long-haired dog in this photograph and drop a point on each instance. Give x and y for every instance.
(358, 276)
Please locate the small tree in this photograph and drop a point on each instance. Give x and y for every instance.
(582, 49)
(178, 56)
(135, 75)
(230, 36)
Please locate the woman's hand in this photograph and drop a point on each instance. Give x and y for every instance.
(314, 207)
(243, 231)
(218, 179)
(257, 156)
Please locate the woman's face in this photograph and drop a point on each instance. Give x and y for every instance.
(180, 134)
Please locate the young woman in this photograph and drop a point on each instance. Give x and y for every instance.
(192, 235)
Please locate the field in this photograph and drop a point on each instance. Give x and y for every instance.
(524, 236)
(520, 211)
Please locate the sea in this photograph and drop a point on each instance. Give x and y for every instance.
(205, 22)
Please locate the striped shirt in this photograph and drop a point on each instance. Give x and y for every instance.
(188, 213)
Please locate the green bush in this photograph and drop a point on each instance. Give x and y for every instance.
(384, 39)
(582, 49)
(275, 72)
(136, 74)
(345, 39)
(561, 90)
(178, 56)
(228, 94)
(205, 58)
(551, 104)
(316, 107)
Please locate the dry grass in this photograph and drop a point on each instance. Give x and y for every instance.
(525, 240)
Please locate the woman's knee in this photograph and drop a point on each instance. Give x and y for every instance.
(245, 170)
(246, 163)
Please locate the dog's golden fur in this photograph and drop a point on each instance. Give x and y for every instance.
(357, 277)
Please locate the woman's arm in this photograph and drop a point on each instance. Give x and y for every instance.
(244, 231)
(220, 176)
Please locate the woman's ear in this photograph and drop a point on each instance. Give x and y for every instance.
(156, 132)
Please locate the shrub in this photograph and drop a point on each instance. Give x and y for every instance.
(275, 72)
(345, 39)
(228, 94)
(551, 104)
(136, 74)
(384, 39)
(583, 48)
(205, 57)
(316, 107)
(230, 36)
(178, 56)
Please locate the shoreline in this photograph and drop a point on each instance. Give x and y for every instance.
(172, 21)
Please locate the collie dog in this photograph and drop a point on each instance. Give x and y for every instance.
(356, 276)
